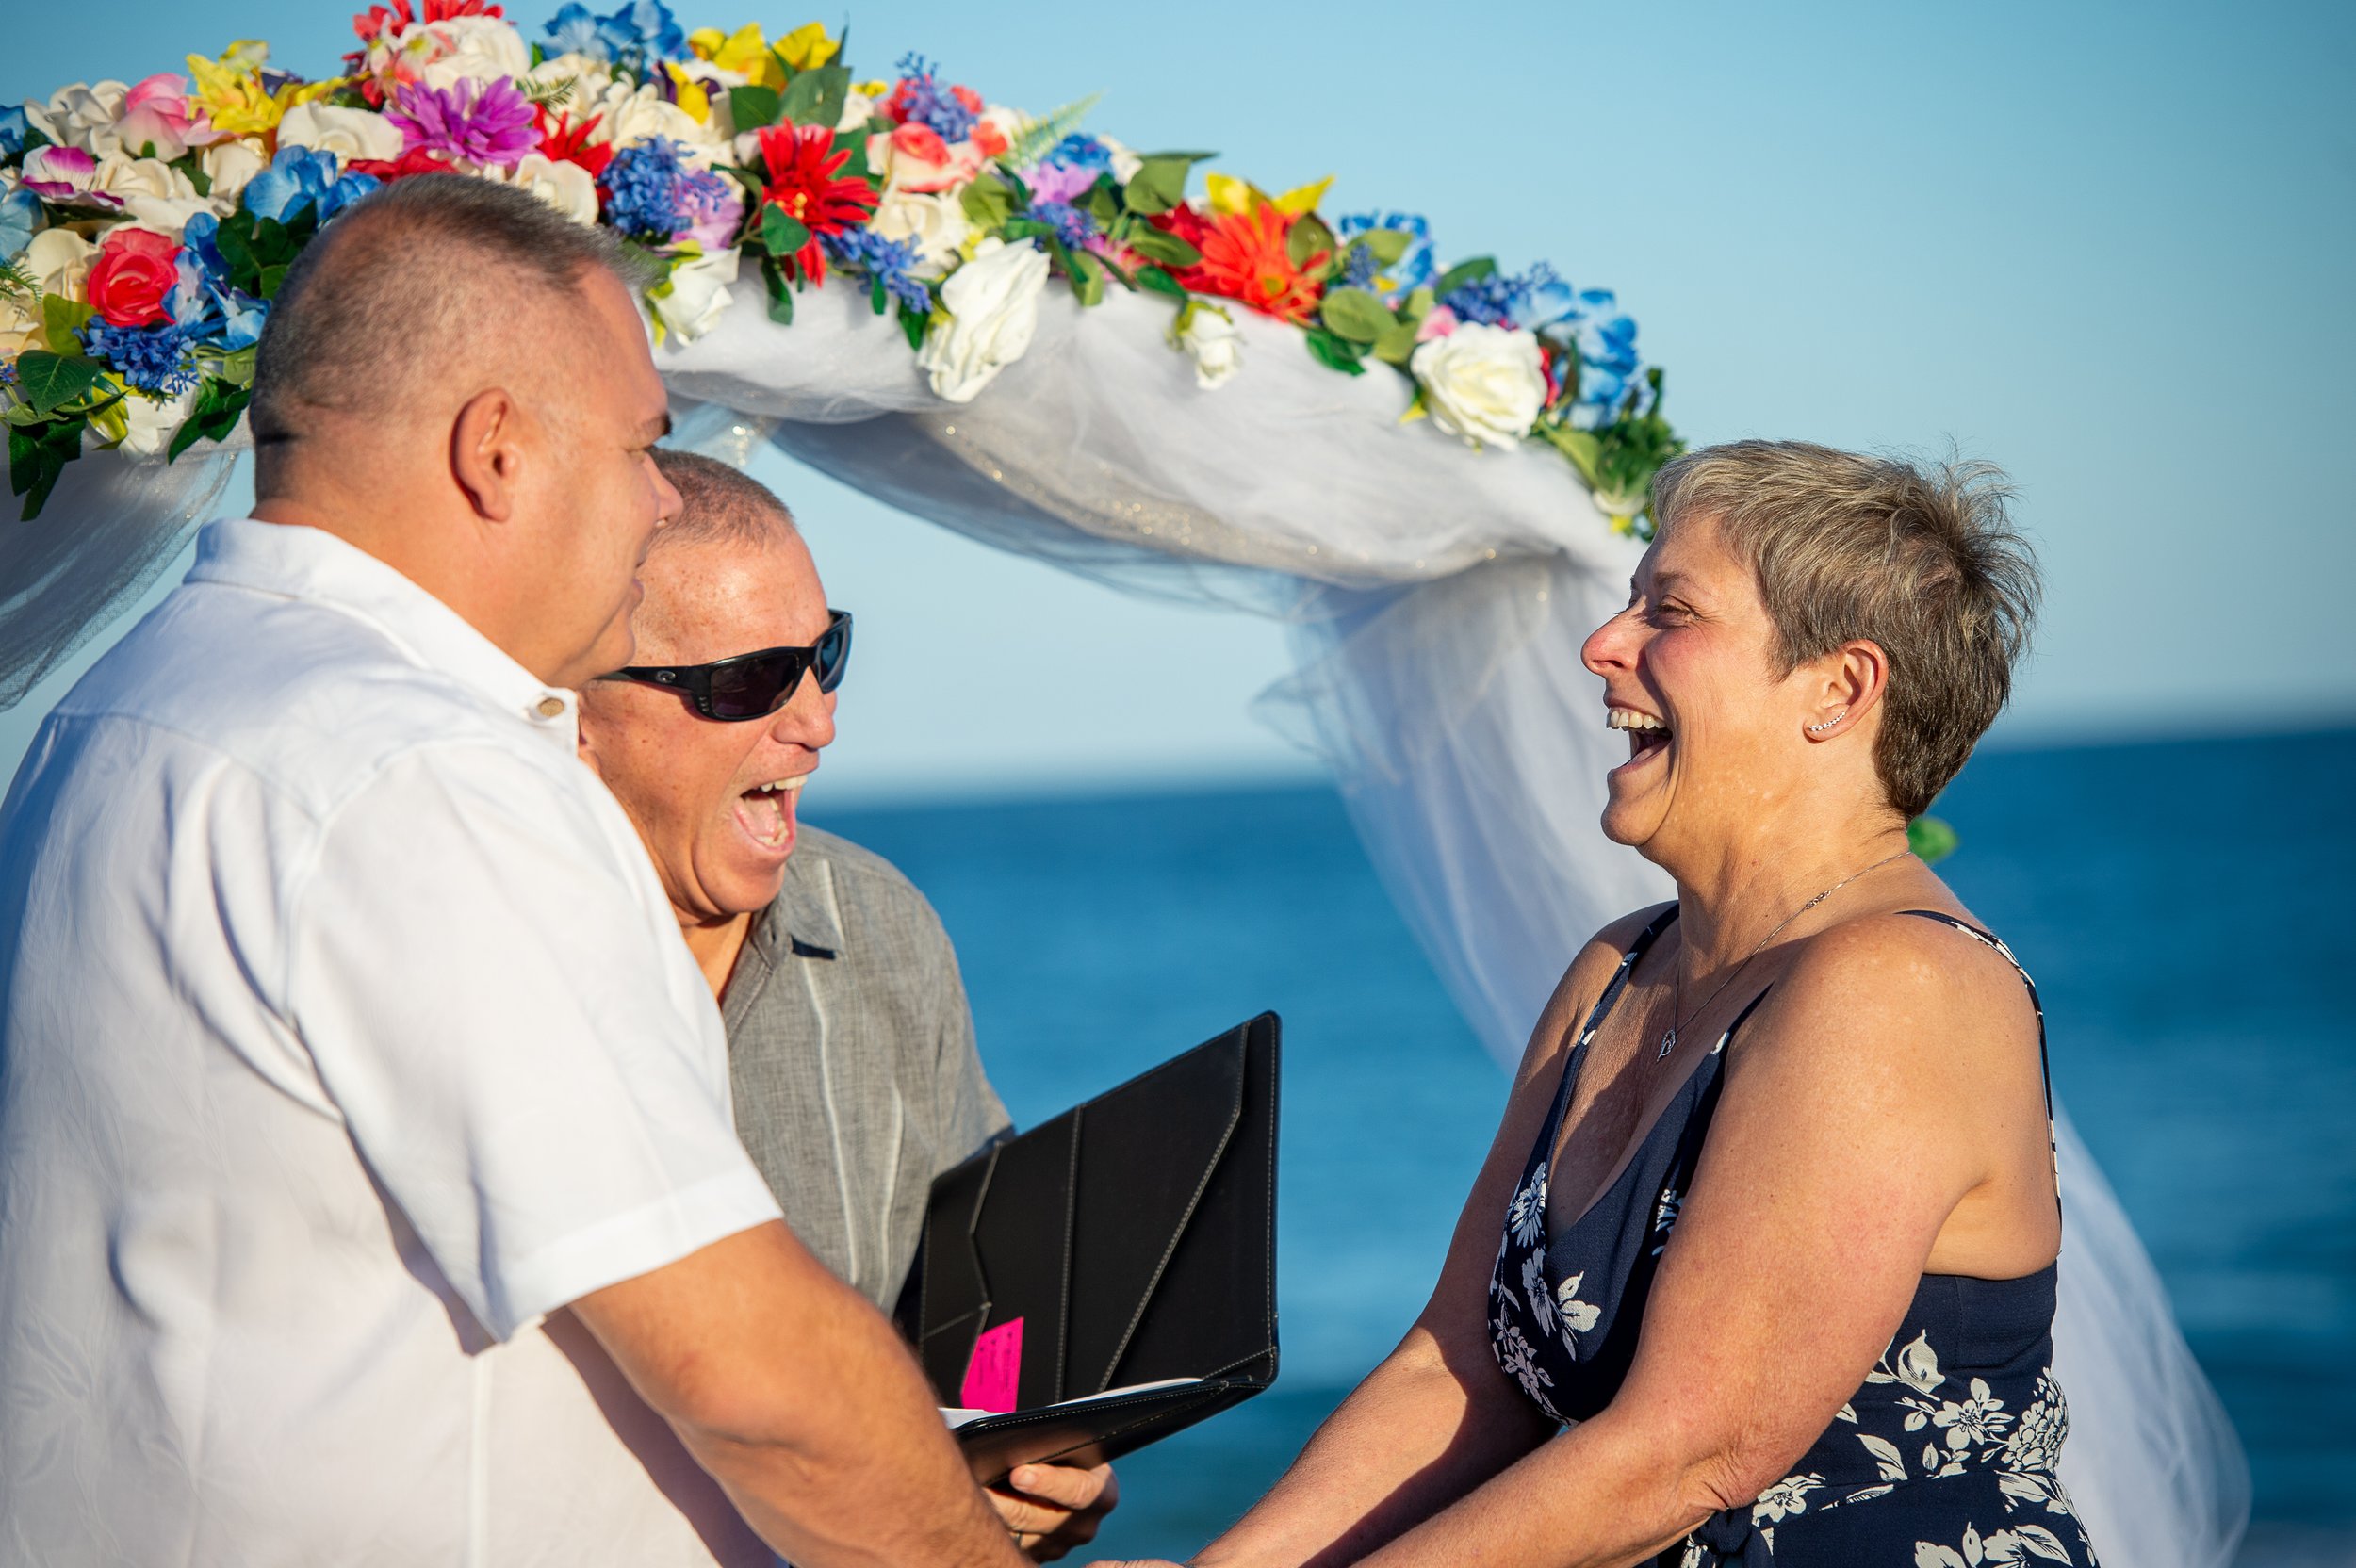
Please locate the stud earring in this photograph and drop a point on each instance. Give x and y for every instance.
(1819, 728)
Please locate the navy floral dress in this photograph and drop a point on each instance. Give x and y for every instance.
(1945, 1457)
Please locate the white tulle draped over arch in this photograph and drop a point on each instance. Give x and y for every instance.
(1437, 596)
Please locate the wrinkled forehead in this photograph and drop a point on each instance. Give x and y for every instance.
(712, 599)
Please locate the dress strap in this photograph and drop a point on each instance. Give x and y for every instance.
(1596, 1015)
(2044, 1058)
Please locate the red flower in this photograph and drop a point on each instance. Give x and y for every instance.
(378, 18)
(416, 160)
(987, 140)
(1244, 259)
(970, 100)
(136, 270)
(805, 185)
(561, 141)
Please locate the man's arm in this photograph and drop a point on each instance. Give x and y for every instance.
(798, 1398)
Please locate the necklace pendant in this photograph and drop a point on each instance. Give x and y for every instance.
(1668, 1042)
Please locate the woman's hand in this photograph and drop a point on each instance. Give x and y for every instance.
(1053, 1507)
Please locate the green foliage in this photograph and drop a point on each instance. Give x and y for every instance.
(856, 167)
(1461, 273)
(1335, 352)
(781, 296)
(1167, 249)
(815, 97)
(1310, 239)
(1354, 314)
(60, 320)
(1037, 138)
(781, 234)
(1088, 274)
(914, 322)
(1931, 840)
(1153, 278)
(987, 202)
(47, 382)
(1160, 182)
(1386, 245)
(752, 106)
(216, 413)
(191, 165)
(38, 454)
(1395, 345)
(1619, 459)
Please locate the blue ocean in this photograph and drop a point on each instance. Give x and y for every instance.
(2183, 905)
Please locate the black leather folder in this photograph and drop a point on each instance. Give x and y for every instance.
(1135, 1237)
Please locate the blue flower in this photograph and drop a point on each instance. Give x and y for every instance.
(574, 31)
(302, 179)
(1081, 151)
(1412, 271)
(203, 302)
(1071, 225)
(152, 359)
(20, 219)
(927, 103)
(14, 127)
(891, 262)
(641, 31)
(647, 185)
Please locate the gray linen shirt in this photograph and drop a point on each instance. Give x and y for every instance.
(851, 1055)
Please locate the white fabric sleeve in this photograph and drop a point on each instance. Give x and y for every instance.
(522, 1066)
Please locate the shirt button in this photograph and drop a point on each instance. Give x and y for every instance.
(550, 708)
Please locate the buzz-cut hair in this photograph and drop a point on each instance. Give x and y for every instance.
(719, 504)
(371, 305)
(1920, 559)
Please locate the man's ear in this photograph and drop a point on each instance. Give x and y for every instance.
(487, 454)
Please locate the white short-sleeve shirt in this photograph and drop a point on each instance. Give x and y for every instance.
(345, 1036)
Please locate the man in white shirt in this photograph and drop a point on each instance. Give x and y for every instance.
(369, 1192)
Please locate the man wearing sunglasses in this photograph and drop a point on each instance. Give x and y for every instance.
(850, 1046)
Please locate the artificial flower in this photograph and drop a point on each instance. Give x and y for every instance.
(1244, 257)
(1236, 198)
(630, 115)
(152, 359)
(462, 48)
(808, 47)
(1482, 383)
(230, 165)
(890, 262)
(156, 114)
(1208, 336)
(1124, 161)
(134, 271)
(806, 184)
(651, 193)
(58, 262)
(232, 95)
(413, 161)
(564, 185)
(347, 133)
(745, 53)
(21, 218)
(147, 422)
(640, 32)
(566, 142)
(569, 83)
(1410, 271)
(206, 302)
(65, 175)
(300, 180)
(935, 226)
(993, 307)
(1073, 227)
(919, 99)
(693, 298)
(914, 157)
(15, 129)
(688, 94)
(470, 122)
(77, 114)
(380, 20)
(149, 191)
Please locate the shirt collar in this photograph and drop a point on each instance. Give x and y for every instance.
(800, 913)
(316, 567)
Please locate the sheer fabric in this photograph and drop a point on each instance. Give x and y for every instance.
(1438, 597)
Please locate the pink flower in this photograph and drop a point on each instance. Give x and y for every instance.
(64, 176)
(914, 159)
(1440, 322)
(473, 122)
(156, 113)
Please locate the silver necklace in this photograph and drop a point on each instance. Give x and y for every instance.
(1676, 1005)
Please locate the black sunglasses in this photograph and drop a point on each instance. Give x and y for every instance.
(752, 685)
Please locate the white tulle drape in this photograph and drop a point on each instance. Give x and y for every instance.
(1437, 596)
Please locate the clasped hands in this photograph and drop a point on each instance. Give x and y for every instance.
(1050, 1509)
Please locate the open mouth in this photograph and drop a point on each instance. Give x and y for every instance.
(1646, 735)
(766, 811)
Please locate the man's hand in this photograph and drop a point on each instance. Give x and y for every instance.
(1054, 1507)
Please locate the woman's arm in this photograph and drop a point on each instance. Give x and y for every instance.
(1436, 1417)
(1886, 1077)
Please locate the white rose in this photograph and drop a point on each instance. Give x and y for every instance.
(1484, 384)
(151, 422)
(566, 186)
(347, 133)
(1209, 336)
(588, 76)
(935, 224)
(58, 262)
(632, 116)
(857, 109)
(468, 48)
(230, 165)
(1126, 162)
(80, 113)
(695, 295)
(153, 194)
(993, 303)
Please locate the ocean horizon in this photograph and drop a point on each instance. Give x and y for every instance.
(2179, 902)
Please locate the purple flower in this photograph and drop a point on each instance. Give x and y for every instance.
(152, 359)
(888, 262)
(1058, 182)
(712, 207)
(1071, 225)
(473, 123)
(654, 194)
(64, 176)
(920, 100)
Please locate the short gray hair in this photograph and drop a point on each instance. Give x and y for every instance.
(718, 504)
(399, 277)
(1920, 559)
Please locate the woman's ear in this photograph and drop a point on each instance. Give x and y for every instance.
(1847, 684)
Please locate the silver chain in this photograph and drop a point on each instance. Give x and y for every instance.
(1676, 1005)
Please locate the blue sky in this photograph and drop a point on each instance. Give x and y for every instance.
(2107, 246)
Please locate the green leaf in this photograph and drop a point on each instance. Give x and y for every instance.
(1416, 306)
(60, 319)
(1167, 249)
(1354, 314)
(48, 381)
(1931, 840)
(876, 295)
(1037, 138)
(1395, 343)
(1160, 182)
(235, 240)
(854, 143)
(1104, 203)
(1580, 446)
(1335, 352)
(1027, 228)
(1461, 273)
(815, 97)
(1387, 245)
(1152, 277)
(781, 296)
(38, 454)
(217, 408)
(1309, 239)
(236, 367)
(272, 277)
(191, 165)
(913, 324)
(987, 202)
(1088, 276)
(753, 107)
(781, 236)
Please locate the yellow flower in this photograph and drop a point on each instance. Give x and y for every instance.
(693, 100)
(808, 47)
(744, 52)
(230, 89)
(1241, 198)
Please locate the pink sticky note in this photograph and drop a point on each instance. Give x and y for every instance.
(996, 1370)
